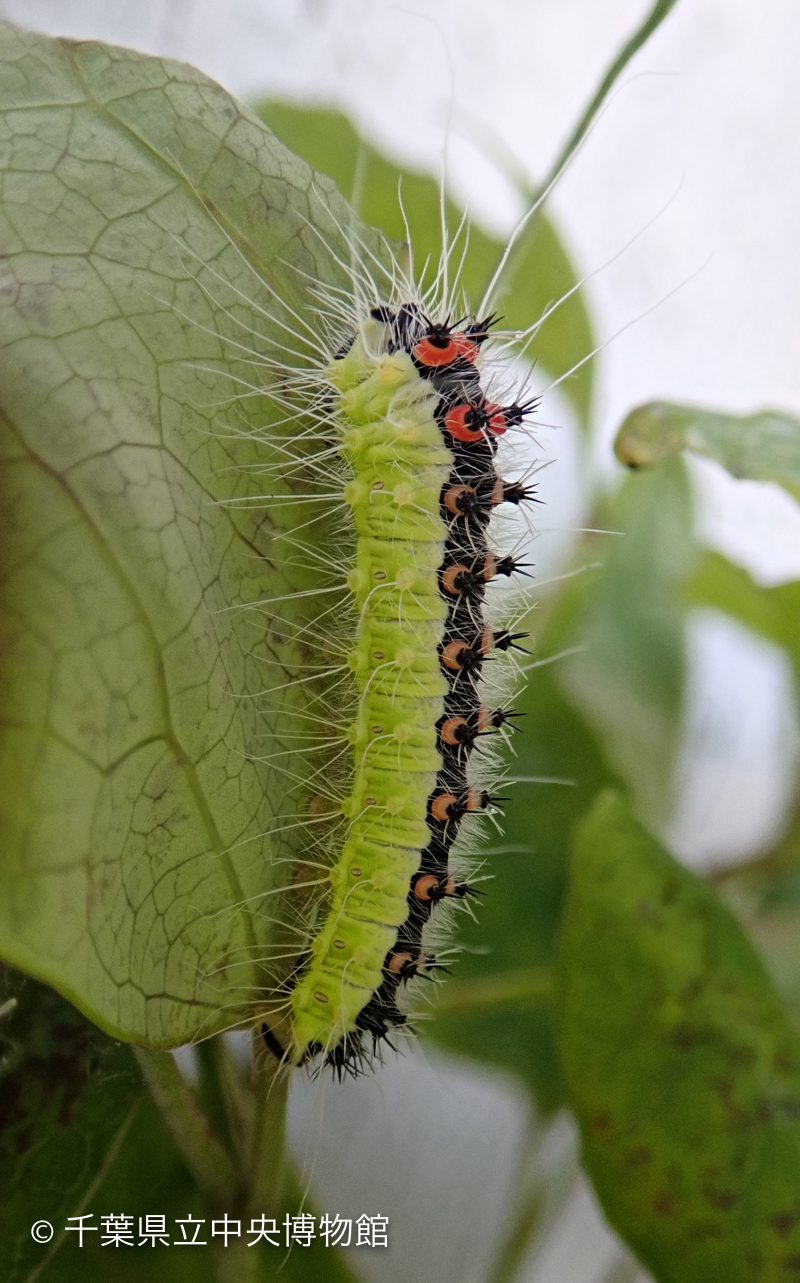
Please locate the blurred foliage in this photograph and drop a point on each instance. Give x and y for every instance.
(683, 1067)
(761, 447)
(628, 678)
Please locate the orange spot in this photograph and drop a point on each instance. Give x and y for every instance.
(450, 729)
(498, 492)
(476, 800)
(399, 961)
(424, 885)
(490, 567)
(487, 640)
(426, 889)
(449, 579)
(452, 653)
(452, 496)
(440, 806)
(485, 718)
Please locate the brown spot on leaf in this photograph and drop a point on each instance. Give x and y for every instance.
(685, 1037)
(724, 1088)
(601, 1124)
(640, 1156)
(783, 1222)
(784, 1061)
(722, 1200)
(743, 1056)
(664, 1203)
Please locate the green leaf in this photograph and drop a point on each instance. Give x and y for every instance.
(682, 1066)
(148, 226)
(68, 1097)
(760, 447)
(628, 678)
(540, 272)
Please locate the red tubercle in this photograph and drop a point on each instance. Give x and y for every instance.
(487, 718)
(460, 655)
(465, 423)
(477, 799)
(498, 420)
(446, 807)
(435, 352)
(488, 640)
(470, 423)
(467, 348)
(440, 346)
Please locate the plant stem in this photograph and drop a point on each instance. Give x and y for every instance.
(205, 1157)
(227, 1098)
(239, 1263)
(268, 1161)
(654, 19)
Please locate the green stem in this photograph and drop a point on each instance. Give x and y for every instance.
(654, 19)
(238, 1263)
(268, 1160)
(512, 255)
(203, 1154)
(226, 1098)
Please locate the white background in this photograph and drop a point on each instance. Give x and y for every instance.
(689, 183)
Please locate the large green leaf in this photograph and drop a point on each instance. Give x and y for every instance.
(682, 1066)
(628, 678)
(539, 274)
(761, 447)
(67, 1097)
(149, 225)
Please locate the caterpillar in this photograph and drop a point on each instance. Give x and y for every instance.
(409, 417)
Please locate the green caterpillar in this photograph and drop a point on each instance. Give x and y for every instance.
(418, 436)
